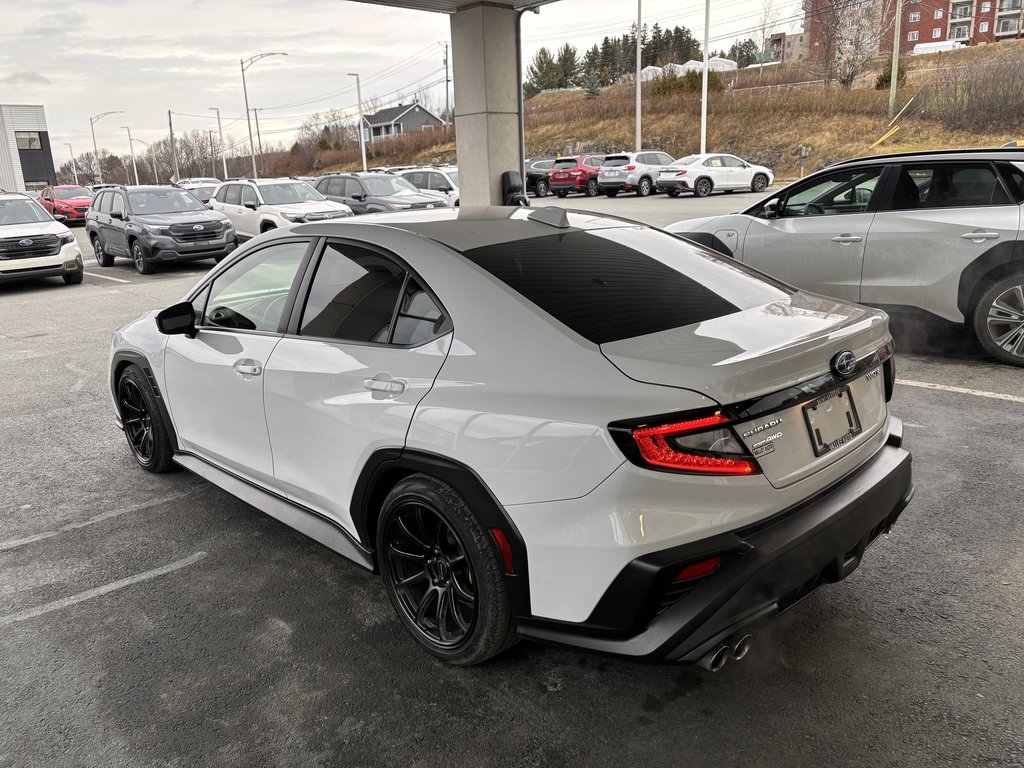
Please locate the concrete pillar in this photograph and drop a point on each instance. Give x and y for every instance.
(488, 95)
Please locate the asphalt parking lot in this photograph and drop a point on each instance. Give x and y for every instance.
(156, 620)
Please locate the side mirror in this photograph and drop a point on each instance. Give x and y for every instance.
(771, 209)
(60, 218)
(177, 319)
(117, 215)
(209, 204)
(250, 206)
(358, 197)
(446, 190)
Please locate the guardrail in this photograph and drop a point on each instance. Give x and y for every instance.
(779, 86)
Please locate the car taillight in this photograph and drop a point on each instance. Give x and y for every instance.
(681, 173)
(703, 445)
(629, 168)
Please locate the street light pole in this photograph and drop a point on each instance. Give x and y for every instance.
(639, 90)
(131, 146)
(213, 155)
(704, 81)
(95, 152)
(74, 165)
(223, 156)
(359, 98)
(152, 160)
(174, 149)
(259, 139)
(894, 71)
(246, 63)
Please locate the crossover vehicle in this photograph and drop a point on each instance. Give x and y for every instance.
(532, 423)
(156, 224)
(67, 200)
(200, 188)
(373, 192)
(575, 174)
(537, 172)
(255, 206)
(938, 232)
(439, 179)
(632, 172)
(704, 174)
(34, 244)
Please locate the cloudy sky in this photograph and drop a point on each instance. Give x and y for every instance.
(90, 56)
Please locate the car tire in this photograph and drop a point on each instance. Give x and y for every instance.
(103, 258)
(267, 228)
(702, 187)
(74, 278)
(143, 425)
(999, 319)
(611, 192)
(759, 183)
(443, 573)
(591, 190)
(643, 187)
(541, 189)
(142, 265)
(672, 192)
(562, 192)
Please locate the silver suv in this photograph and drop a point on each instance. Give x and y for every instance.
(934, 231)
(632, 172)
(255, 206)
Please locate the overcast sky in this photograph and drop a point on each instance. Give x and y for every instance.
(89, 56)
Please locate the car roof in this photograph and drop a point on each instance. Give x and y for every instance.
(987, 153)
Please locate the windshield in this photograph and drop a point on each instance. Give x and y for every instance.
(688, 160)
(203, 193)
(384, 186)
(22, 211)
(615, 162)
(292, 192)
(70, 193)
(163, 201)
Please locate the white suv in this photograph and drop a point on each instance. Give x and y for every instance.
(632, 172)
(34, 244)
(442, 179)
(255, 206)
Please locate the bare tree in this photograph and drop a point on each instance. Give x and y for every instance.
(766, 23)
(850, 32)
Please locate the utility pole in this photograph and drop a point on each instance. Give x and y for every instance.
(894, 72)
(223, 156)
(447, 95)
(639, 137)
(259, 141)
(704, 81)
(95, 152)
(359, 98)
(213, 156)
(174, 149)
(131, 147)
(246, 63)
(74, 165)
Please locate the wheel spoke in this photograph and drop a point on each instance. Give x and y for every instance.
(1010, 339)
(453, 610)
(415, 539)
(411, 579)
(1002, 311)
(439, 615)
(421, 609)
(461, 592)
(402, 553)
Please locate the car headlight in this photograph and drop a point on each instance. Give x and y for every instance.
(156, 230)
(67, 239)
(293, 216)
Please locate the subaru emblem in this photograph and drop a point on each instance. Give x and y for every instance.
(198, 227)
(25, 243)
(844, 363)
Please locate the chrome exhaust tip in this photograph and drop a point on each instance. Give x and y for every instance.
(715, 659)
(741, 646)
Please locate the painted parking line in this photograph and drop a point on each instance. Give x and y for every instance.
(961, 390)
(106, 589)
(106, 277)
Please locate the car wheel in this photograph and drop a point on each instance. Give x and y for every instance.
(673, 192)
(591, 190)
(611, 192)
(562, 192)
(541, 190)
(760, 183)
(103, 258)
(702, 188)
(142, 265)
(643, 189)
(443, 573)
(143, 425)
(74, 278)
(999, 319)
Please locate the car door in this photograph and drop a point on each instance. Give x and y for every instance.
(115, 239)
(347, 380)
(714, 168)
(214, 383)
(737, 173)
(934, 220)
(248, 213)
(816, 240)
(354, 195)
(46, 199)
(436, 182)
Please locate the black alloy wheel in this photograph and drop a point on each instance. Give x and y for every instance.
(760, 183)
(591, 190)
(702, 188)
(143, 426)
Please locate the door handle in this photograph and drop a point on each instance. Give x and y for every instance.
(980, 237)
(384, 382)
(248, 367)
(847, 239)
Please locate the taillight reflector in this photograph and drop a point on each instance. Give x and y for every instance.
(697, 570)
(506, 550)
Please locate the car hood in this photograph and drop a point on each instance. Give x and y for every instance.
(187, 217)
(37, 228)
(312, 206)
(75, 201)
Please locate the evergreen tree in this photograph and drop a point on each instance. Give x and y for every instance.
(568, 67)
(544, 72)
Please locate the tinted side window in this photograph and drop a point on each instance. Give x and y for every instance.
(251, 294)
(947, 185)
(418, 180)
(419, 319)
(333, 187)
(103, 203)
(436, 181)
(353, 295)
(664, 159)
(731, 162)
(233, 196)
(352, 188)
(248, 195)
(1014, 176)
(848, 191)
(593, 162)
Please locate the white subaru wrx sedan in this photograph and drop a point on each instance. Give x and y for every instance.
(540, 424)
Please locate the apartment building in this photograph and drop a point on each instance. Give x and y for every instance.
(26, 162)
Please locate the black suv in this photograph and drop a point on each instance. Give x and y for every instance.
(537, 173)
(154, 224)
(375, 192)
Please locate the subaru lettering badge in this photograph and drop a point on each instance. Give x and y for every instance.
(844, 363)
(198, 227)
(25, 243)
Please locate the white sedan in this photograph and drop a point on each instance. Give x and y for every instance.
(703, 174)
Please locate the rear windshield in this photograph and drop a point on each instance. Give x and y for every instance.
(616, 161)
(608, 285)
(566, 162)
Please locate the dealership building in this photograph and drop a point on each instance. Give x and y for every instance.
(26, 160)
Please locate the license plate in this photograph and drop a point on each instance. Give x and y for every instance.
(611, 173)
(831, 421)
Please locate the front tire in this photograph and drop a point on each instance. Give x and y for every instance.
(542, 189)
(142, 265)
(74, 278)
(443, 573)
(591, 190)
(760, 183)
(643, 189)
(103, 258)
(999, 319)
(144, 427)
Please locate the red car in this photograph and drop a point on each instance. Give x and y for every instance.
(66, 200)
(575, 174)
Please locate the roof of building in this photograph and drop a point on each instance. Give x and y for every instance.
(391, 114)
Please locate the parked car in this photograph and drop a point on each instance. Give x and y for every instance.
(537, 176)
(156, 224)
(704, 174)
(208, 181)
(938, 232)
(202, 189)
(373, 192)
(441, 179)
(95, 188)
(68, 200)
(255, 206)
(534, 424)
(632, 172)
(575, 174)
(34, 244)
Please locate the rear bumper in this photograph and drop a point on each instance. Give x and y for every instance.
(673, 184)
(604, 186)
(570, 186)
(766, 568)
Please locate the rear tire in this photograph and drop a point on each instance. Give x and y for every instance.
(541, 189)
(999, 319)
(144, 427)
(74, 278)
(702, 188)
(103, 258)
(643, 189)
(443, 573)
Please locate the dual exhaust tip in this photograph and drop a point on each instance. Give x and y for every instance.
(735, 648)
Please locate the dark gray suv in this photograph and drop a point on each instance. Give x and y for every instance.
(375, 192)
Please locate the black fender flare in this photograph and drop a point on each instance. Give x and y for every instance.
(121, 359)
(708, 240)
(998, 260)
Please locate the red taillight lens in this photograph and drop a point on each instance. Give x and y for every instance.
(695, 446)
(629, 168)
(698, 570)
(681, 173)
(506, 550)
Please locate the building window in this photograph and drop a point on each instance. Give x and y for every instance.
(938, 13)
(986, 7)
(28, 139)
(936, 33)
(911, 36)
(983, 27)
(1008, 25)
(915, 17)
(959, 32)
